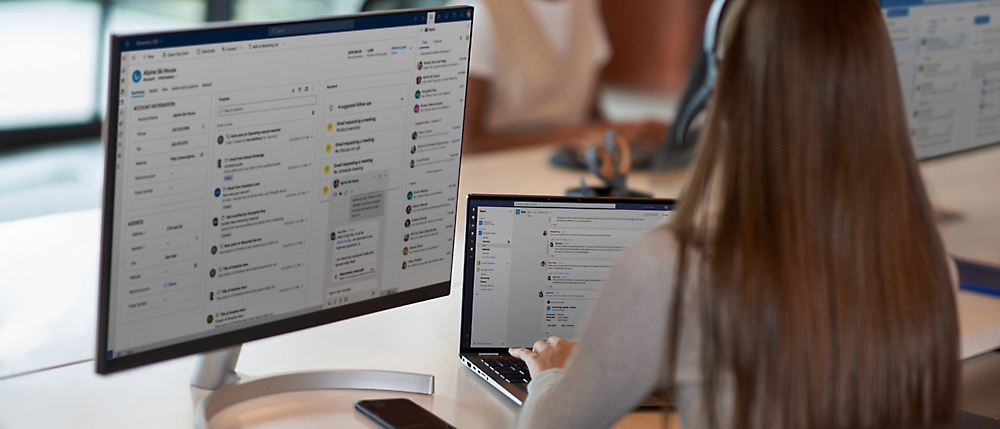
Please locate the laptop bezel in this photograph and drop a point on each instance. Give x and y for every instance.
(469, 253)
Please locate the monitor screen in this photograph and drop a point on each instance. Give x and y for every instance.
(268, 178)
(534, 265)
(948, 58)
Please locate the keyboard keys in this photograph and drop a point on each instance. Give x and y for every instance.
(511, 370)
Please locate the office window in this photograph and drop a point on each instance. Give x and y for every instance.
(49, 51)
(132, 16)
(54, 78)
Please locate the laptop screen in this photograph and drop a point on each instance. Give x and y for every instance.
(534, 265)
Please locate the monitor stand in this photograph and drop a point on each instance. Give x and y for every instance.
(217, 371)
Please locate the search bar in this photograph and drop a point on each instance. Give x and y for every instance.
(310, 28)
(567, 205)
(261, 106)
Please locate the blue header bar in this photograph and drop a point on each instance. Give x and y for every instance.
(299, 28)
(888, 4)
(897, 13)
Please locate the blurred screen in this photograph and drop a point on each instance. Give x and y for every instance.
(948, 57)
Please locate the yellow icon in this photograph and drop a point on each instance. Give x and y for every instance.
(326, 190)
(328, 148)
(329, 126)
(359, 243)
(326, 170)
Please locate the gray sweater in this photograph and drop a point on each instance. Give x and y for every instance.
(619, 359)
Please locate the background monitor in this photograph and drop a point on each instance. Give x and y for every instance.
(948, 57)
(262, 179)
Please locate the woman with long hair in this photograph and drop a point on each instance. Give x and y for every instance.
(802, 282)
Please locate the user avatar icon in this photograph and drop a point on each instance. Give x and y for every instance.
(336, 183)
(404, 265)
(414, 135)
(215, 249)
(420, 65)
(409, 209)
(413, 150)
(215, 221)
(406, 251)
(333, 236)
(406, 237)
(211, 273)
(407, 223)
(543, 264)
(218, 192)
(220, 139)
(419, 79)
(416, 108)
(409, 195)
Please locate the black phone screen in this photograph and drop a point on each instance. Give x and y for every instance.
(401, 413)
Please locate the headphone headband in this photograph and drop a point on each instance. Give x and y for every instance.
(710, 43)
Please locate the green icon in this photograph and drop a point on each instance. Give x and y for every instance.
(417, 94)
(478, 262)
(210, 319)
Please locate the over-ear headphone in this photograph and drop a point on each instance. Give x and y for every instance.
(710, 43)
(700, 85)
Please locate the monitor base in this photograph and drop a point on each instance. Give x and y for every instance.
(219, 369)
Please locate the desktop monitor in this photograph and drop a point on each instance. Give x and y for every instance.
(266, 178)
(948, 58)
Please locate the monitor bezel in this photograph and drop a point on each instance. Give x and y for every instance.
(103, 365)
(469, 253)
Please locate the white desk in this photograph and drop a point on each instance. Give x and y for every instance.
(418, 338)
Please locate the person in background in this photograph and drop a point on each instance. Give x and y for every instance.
(802, 282)
(534, 75)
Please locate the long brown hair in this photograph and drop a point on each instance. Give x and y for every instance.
(824, 294)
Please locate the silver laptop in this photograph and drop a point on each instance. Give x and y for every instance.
(533, 266)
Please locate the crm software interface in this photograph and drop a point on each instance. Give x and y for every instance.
(540, 266)
(281, 170)
(948, 58)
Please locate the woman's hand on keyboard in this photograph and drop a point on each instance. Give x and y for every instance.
(552, 353)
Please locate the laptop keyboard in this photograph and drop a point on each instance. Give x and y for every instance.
(512, 370)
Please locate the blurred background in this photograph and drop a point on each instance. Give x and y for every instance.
(54, 78)
(53, 84)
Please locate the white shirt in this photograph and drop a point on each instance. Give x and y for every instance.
(556, 14)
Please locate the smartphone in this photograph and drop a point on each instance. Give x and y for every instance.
(401, 413)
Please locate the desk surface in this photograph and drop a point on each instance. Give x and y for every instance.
(159, 396)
